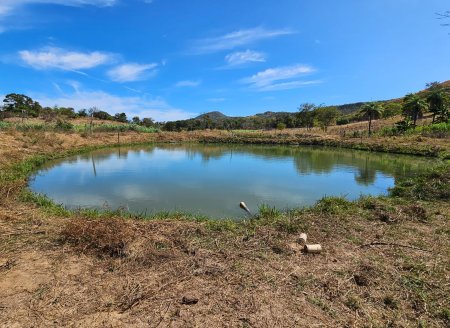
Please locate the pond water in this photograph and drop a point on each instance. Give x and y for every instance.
(213, 179)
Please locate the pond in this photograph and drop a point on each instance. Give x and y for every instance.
(212, 179)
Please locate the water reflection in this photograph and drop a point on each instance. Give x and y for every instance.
(213, 179)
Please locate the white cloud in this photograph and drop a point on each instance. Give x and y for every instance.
(132, 72)
(51, 58)
(188, 83)
(156, 108)
(288, 85)
(236, 39)
(244, 57)
(11, 7)
(280, 78)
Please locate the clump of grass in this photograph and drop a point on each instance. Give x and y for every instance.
(353, 303)
(105, 237)
(4, 125)
(44, 202)
(268, 212)
(289, 224)
(64, 126)
(445, 315)
(222, 225)
(145, 129)
(333, 205)
(432, 185)
(390, 302)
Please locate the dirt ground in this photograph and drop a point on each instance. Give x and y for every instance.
(385, 262)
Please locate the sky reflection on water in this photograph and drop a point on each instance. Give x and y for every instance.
(213, 179)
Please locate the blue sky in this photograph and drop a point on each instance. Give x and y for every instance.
(174, 59)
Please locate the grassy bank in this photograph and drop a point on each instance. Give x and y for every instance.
(390, 145)
(385, 260)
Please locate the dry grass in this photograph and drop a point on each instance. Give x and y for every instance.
(58, 270)
(107, 236)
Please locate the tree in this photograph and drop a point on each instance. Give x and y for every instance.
(444, 16)
(305, 115)
(91, 112)
(147, 122)
(102, 115)
(437, 101)
(21, 104)
(136, 120)
(391, 109)
(414, 107)
(69, 112)
(121, 117)
(326, 116)
(82, 113)
(371, 111)
(48, 114)
(281, 126)
(207, 121)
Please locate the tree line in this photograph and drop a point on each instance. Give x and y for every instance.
(435, 99)
(19, 105)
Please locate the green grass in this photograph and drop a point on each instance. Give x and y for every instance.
(4, 125)
(437, 130)
(123, 128)
(333, 205)
(66, 126)
(44, 202)
(434, 184)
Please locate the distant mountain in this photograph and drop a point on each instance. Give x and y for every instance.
(213, 116)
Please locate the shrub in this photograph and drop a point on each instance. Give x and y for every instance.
(105, 236)
(438, 130)
(281, 126)
(64, 126)
(342, 121)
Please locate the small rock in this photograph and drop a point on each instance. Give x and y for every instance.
(189, 300)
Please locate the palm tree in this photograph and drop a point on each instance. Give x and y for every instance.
(414, 107)
(372, 111)
(437, 100)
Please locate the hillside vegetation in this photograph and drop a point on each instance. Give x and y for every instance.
(307, 116)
